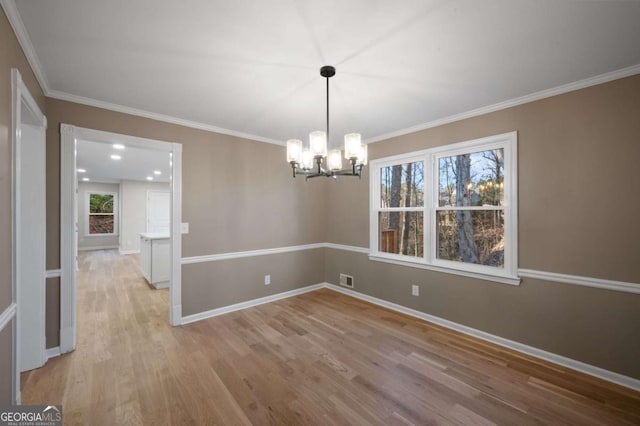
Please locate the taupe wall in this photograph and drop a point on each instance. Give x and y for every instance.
(578, 208)
(237, 195)
(11, 56)
(578, 214)
(239, 280)
(92, 242)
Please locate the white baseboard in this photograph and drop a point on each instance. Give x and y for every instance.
(67, 339)
(97, 248)
(176, 316)
(582, 367)
(249, 303)
(572, 364)
(125, 252)
(53, 352)
(160, 285)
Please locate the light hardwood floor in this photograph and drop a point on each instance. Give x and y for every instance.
(319, 358)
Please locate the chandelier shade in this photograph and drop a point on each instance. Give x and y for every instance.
(294, 150)
(318, 143)
(309, 161)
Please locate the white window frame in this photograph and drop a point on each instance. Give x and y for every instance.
(88, 213)
(509, 273)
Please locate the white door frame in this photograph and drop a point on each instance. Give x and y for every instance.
(68, 242)
(22, 101)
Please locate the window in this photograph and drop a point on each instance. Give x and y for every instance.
(101, 213)
(451, 208)
(401, 210)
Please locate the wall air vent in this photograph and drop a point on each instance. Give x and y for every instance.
(346, 280)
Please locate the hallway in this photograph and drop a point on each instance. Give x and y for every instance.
(123, 327)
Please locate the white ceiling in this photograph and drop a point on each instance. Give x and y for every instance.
(135, 163)
(251, 67)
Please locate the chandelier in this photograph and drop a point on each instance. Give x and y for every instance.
(309, 161)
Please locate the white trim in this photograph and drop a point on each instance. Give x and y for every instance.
(582, 367)
(91, 248)
(363, 250)
(56, 94)
(24, 40)
(67, 335)
(536, 96)
(504, 279)
(53, 273)
(68, 237)
(53, 352)
(21, 97)
(7, 315)
(126, 252)
(250, 303)
(175, 287)
(68, 241)
(249, 253)
(627, 287)
(572, 364)
(508, 142)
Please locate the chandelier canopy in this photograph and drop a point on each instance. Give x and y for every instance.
(309, 161)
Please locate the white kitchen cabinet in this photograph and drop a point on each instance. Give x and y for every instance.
(155, 258)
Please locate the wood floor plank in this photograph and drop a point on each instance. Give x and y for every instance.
(319, 358)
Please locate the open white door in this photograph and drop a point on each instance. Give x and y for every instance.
(28, 129)
(30, 255)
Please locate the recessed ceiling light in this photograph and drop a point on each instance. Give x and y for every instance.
(149, 177)
(118, 146)
(86, 179)
(157, 172)
(81, 171)
(115, 157)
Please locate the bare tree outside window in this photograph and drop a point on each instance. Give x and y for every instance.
(452, 208)
(470, 212)
(401, 216)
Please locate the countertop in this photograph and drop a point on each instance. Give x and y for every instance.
(155, 235)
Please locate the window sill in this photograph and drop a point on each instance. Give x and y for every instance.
(99, 235)
(499, 278)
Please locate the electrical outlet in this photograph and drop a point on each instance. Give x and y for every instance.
(267, 279)
(415, 290)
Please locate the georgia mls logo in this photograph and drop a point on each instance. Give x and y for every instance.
(31, 415)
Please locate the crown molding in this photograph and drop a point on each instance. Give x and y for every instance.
(547, 93)
(63, 96)
(19, 29)
(24, 40)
